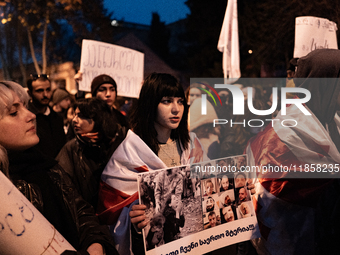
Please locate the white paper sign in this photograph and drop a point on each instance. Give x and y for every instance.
(23, 229)
(124, 65)
(314, 33)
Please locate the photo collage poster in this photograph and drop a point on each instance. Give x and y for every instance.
(198, 208)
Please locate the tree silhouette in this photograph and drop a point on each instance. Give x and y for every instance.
(269, 26)
(49, 28)
(159, 37)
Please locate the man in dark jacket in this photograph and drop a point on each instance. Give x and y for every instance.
(50, 126)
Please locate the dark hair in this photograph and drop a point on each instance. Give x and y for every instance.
(105, 122)
(208, 181)
(157, 220)
(35, 77)
(211, 198)
(211, 213)
(240, 173)
(154, 88)
(100, 80)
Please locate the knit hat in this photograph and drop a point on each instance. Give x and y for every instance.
(196, 117)
(59, 95)
(99, 80)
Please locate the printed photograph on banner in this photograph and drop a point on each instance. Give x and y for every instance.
(173, 205)
(209, 186)
(197, 208)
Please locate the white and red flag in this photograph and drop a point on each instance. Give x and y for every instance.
(119, 188)
(228, 42)
(285, 206)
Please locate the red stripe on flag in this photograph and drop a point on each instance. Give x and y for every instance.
(268, 149)
(142, 169)
(257, 206)
(111, 202)
(324, 148)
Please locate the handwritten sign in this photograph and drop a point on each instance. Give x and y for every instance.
(314, 33)
(23, 229)
(124, 65)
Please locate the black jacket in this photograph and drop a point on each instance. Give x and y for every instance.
(84, 162)
(51, 190)
(50, 130)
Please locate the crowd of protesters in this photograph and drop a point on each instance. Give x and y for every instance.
(77, 159)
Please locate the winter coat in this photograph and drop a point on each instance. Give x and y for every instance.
(84, 162)
(52, 192)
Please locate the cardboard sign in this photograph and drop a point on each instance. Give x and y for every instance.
(124, 65)
(23, 229)
(314, 33)
(199, 208)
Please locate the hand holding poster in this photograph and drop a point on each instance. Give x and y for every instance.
(314, 33)
(124, 65)
(197, 209)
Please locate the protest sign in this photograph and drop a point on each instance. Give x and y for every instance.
(124, 65)
(313, 33)
(199, 208)
(23, 229)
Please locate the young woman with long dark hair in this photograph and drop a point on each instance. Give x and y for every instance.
(160, 139)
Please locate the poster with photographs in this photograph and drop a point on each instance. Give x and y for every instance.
(198, 208)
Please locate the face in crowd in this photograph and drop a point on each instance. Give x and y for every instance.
(212, 219)
(175, 201)
(240, 180)
(240, 161)
(222, 163)
(245, 210)
(225, 182)
(41, 92)
(81, 124)
(242, 194)
(193, 94)
(65, 103)
(17, 123)
(108, 93)
(169, 113)
(210, 204)
(227, 200)
(209, 187)
(228, 214)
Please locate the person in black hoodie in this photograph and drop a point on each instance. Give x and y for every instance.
(43, 181)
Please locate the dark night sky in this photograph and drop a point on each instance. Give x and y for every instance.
(139, 11)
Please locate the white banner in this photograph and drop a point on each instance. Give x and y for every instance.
(198, 208)
(23, 229)
(124, 65)
(314, 33)
(228, 42)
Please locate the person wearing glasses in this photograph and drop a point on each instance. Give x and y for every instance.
(50, 126)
